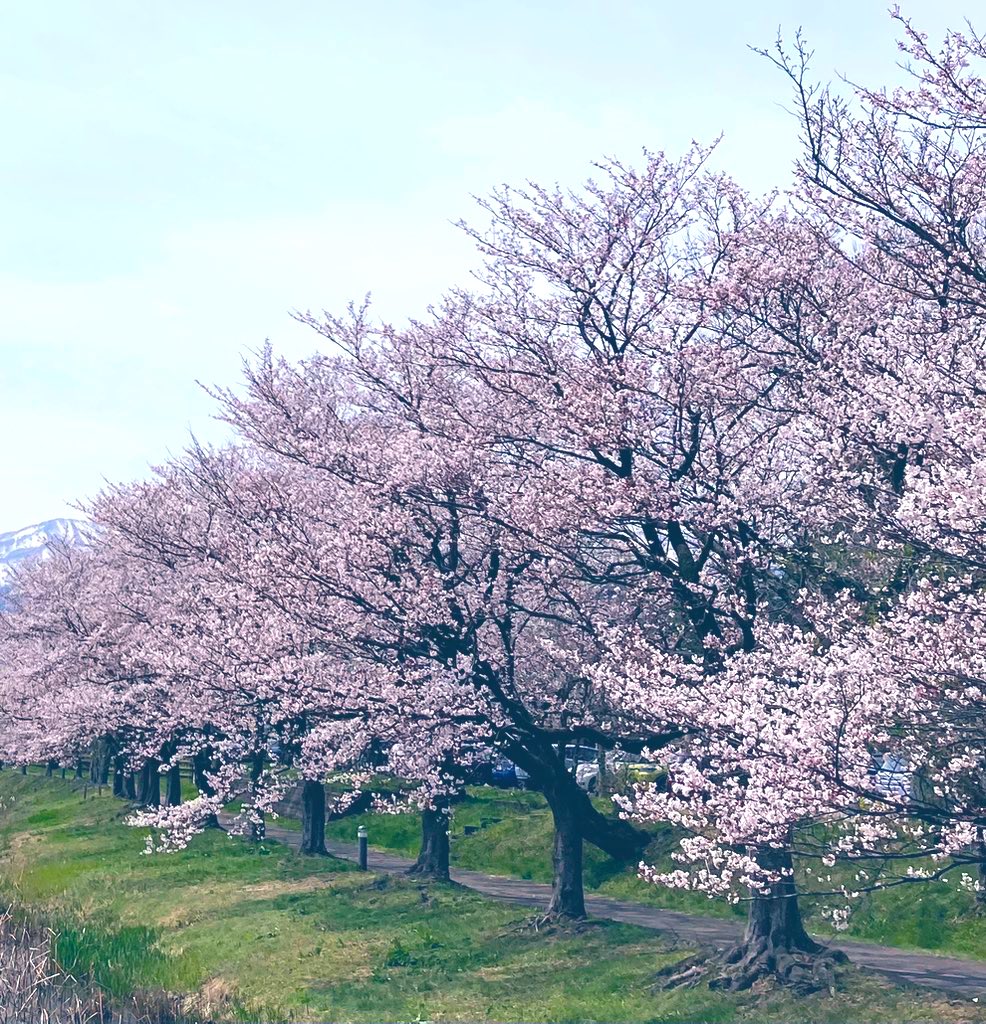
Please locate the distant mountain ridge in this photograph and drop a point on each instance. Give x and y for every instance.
(31, 542)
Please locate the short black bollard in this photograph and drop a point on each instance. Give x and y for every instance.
(361, 834)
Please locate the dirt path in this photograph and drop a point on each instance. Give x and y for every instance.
(962, 977)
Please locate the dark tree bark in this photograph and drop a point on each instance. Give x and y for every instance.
(130, 786)
(100, 753)
(775, 920)
(776, 943)
(313, 819)
(174, 785)
(433, 858)
(201, 764)
(618, 839)
(576, 820)
(258, 830)
(119, 777)
(621, 840)
(149, 794)
(23, 769)
(49, 769)
(79, 768)
(567, 892)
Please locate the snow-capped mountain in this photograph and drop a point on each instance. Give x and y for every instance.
(32, 541)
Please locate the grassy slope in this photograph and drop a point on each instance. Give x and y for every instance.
(934, 917)
(252, 929)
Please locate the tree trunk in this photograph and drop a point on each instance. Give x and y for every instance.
(313, 819)
(174, 785)
(602, 783)
(23, 769)
(119, 777)
(130, 786)
(575, 819)
(258, 830)
(567, 894)
(776, 943)
(201, 763)
(79, 768)
(621, 840)
(49, 769)
(149, 794)
(775, 921)
(981, 891)
(100, 752)
(433, 858)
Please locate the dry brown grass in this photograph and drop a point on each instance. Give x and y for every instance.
(34, 989)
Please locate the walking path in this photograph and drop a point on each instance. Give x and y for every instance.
(961, 977)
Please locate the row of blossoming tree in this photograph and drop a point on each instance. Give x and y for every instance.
(686, 472)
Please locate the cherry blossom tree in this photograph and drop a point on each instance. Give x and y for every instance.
(593, 439)
(68, 677)
(869, 288)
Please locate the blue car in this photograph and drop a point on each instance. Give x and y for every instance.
(508, 776)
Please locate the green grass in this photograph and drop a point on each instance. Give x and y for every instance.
(259, 933)
(934, 916)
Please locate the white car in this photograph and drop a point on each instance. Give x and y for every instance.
(587, 773)
(893, 775)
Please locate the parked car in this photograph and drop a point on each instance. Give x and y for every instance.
(892, 775)
(577, 754)
(623, 770)
(508, 775)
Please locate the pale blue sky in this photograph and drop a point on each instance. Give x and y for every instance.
(176, 177)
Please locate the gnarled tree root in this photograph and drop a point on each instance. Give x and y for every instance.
(804, 970)
(552, 925)
(425, 871)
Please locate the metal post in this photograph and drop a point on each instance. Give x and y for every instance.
(361, 834)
